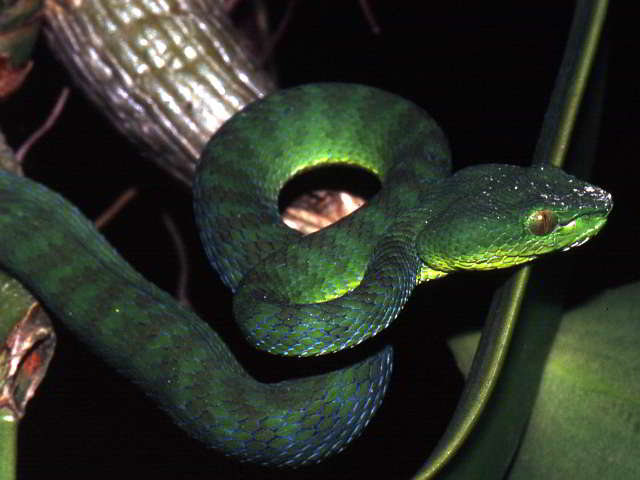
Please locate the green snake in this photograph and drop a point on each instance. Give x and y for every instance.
(294, 295)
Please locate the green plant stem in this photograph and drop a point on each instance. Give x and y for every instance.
(481, 452)
(8, 424)
(8, 446)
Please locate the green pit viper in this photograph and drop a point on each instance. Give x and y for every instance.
(294, 295)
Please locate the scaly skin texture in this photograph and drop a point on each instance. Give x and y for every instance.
(295, 295)
(167, 73)
(356, 276)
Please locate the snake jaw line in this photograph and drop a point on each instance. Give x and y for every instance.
(576, 244)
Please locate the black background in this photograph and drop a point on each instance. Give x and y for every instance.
(484, 72)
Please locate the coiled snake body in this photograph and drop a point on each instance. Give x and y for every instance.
(293, 295)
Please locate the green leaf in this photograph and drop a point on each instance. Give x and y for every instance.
(586, 417)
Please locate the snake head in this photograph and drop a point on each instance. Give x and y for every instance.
(504, 215)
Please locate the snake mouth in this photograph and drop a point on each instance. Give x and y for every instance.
(577, 243)
(588, 224)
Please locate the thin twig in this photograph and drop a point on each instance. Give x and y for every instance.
(369, 15)
(183, 260)
(46, 126)
(108, 215)
(275, 38)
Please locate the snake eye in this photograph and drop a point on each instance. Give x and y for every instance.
(542, 222)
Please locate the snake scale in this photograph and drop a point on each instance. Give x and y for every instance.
(294, 295)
